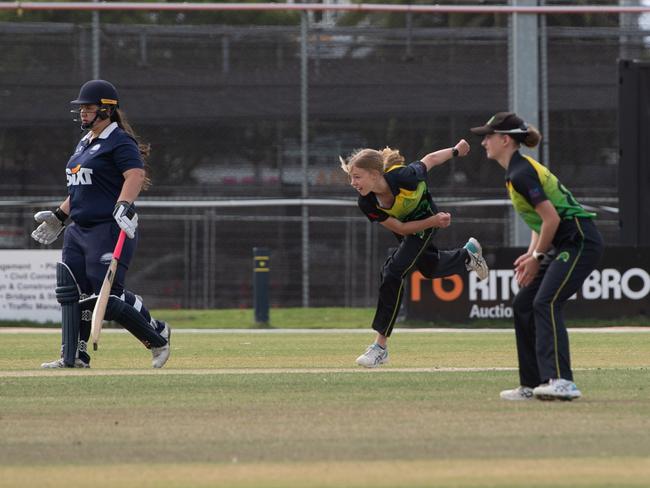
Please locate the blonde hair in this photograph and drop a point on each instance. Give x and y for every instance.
(371, 159)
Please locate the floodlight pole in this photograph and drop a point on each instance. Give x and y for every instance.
(545, 147)
(96, 43)
(523, 71)
(626, 21)
(304, 152)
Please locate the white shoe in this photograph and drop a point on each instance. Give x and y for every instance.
(519, 393)
(557, 389)
(373, 357)
(476, 261)
(160, 355)
(58, 363)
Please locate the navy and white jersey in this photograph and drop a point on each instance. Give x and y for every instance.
(412, 198)
(95, 174)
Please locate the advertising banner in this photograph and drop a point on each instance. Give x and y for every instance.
(27, 283)
(619, 287)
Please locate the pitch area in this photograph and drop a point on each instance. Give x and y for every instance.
(292, 410)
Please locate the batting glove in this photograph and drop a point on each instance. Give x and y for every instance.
(126, 217)
(52, 224)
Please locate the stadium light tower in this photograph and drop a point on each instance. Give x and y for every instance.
(523, 87)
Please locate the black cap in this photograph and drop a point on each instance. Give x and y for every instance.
(502, 123)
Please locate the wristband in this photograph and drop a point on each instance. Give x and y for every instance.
(60, 214)
(454, 152)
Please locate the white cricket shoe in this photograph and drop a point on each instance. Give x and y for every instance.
(476, 261)
(160, 355)
(518, 394)
(373, 357)
(557, 389)
(58, 363)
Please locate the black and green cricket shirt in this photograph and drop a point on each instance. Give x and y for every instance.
(412, 198)
(529, 183)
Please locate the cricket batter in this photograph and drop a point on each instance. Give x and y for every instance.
(105, 175)
(565, 247)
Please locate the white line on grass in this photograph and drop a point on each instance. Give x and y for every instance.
(575, 330)
(235, 371)
(265, 371)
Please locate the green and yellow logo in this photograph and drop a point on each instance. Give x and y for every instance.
(563, 256)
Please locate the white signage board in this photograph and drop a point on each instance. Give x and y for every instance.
(27, 283)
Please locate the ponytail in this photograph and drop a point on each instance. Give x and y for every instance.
(530, 138)
(119, 117)
(391, 157)
(533, 137)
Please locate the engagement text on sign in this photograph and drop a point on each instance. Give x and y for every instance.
(27, 283)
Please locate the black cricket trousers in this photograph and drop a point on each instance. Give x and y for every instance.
(413, 251)
(542, 338)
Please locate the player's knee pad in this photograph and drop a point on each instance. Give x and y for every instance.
(133, 321)
(67, 294)
(67, 289)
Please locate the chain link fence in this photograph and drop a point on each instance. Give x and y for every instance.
(220, 103)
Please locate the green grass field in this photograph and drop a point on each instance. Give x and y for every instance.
(321, 318)
(292, 410)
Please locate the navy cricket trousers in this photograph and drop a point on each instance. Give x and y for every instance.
(542, 338)
(87, 251)
(413, 252)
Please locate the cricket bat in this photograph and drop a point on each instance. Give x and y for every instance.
(105, 292)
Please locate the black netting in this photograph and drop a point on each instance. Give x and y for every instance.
(219, 100)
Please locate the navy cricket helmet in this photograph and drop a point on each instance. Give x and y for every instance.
(97, 92)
